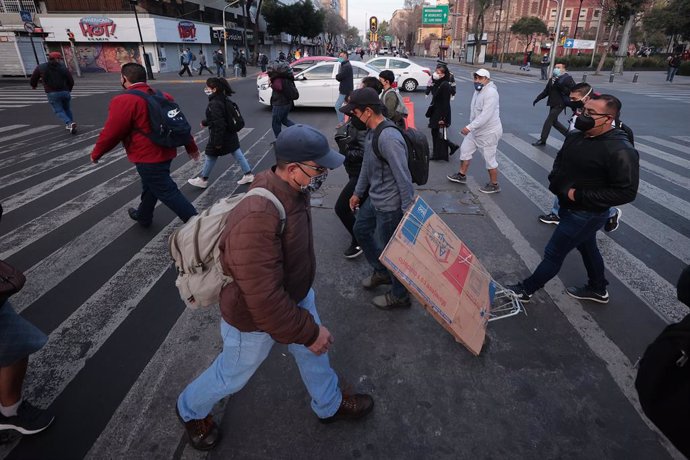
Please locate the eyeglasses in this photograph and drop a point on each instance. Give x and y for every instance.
(318, 169)
(589, 113)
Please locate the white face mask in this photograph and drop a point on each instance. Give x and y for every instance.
(436, 76)
(208, 91)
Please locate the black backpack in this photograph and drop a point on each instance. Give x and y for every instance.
(54, 76)
(663, 383)
(290, 90)
(417, 151)
(169, 126)
(234, 117)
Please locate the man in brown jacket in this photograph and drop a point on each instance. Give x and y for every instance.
(271, 299)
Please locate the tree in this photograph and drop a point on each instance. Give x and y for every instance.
(526, 27)
(334, 25)
(298, 19)
(623, 13)
(673, 20)
(479, 8)
(352, 35)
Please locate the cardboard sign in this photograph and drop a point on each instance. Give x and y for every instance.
(442, 273)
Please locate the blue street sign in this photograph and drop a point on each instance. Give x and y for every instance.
(569, 43)
(25, 15)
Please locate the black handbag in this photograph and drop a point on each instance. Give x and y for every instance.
(11, 281)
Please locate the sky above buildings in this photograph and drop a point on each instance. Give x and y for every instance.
(361, 10)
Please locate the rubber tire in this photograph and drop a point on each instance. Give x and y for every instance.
(414, 85)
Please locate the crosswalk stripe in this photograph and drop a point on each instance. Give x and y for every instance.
(665, 143)
(654, 193)
(69, 141)
(646, 284)
(10, 128)
(28, 132)
(663, 155)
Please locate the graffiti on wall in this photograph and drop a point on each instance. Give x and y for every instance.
(103, 57)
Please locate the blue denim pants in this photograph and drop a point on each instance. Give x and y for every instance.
(671, 73)
(373, 229)
(60, 101)
(243, 353)
(156, 184)
(210, 162)
(576, 230)
(18, 337)
(280, 117)
(220, 68)
(338, 104)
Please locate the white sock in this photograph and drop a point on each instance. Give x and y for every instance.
(10, 411)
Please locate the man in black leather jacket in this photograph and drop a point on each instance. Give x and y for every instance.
(596, 168)
(557, 90)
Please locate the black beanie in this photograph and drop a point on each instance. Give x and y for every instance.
(684, 286)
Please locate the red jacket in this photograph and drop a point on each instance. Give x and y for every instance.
(128, 120)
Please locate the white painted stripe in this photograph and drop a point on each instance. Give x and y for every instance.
(10, 127)
(645, 283)
(682, 138)
(54, 147)
(665, 143)
(33, 170)
(80, 336)
(617, 363)
(6, 106)
(654, 193)
(28, 132)
(662, 155)
(52, 270)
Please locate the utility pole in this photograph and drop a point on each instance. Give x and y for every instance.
(147, 61)
(225, 35)
(554, 46)
(70, 36)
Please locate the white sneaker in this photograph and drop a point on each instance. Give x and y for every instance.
(72, 128)
(246, 179)
(198, 182)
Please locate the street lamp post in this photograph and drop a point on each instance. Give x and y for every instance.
(225, 36)
(554, 47)
(147, 61)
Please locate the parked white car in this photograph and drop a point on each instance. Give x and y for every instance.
(317, 85)
(409, 75)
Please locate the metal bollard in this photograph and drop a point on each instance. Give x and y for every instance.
(584, 78)
(611, 75)
(635, 77)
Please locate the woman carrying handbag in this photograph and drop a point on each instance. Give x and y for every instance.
(439, 114)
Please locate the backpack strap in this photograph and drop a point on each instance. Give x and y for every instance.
(377, 132)
(260, 191)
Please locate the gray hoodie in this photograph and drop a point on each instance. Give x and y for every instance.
(389, 182)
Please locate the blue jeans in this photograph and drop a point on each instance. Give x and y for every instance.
(557, 206)
(576, 230)
(60, 100)
(280, 117)
(210, 162)
(338, 104)
(156, 184)
(220, 68)
(671, 73)
(243, 353)
(373, 229)
(18, 337)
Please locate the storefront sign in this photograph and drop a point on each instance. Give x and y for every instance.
(187, 31)
(97, 28)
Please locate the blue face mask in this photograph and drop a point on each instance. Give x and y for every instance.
(341, 60)
(478, 86)
(556, 72)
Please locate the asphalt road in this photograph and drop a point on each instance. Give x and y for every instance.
(555, 383)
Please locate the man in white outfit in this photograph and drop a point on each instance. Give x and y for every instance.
(483, 132)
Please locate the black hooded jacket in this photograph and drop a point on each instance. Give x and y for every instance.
(221, 140)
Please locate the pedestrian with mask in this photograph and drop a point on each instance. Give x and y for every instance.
(280, 77)
(202, 63)
(483, 133)
(185, 62)
(439, 114)
(557, 90)
(57, 83)
(386, 175)
(345, 77)
(595, 169)
(271, 298)
(395, 107)
(544, 65)
(222, 140)
(219, 61)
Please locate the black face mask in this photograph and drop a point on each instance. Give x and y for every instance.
(358, 124)
(584, 122)
(577, 104)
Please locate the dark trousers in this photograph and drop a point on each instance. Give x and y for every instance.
(373, 229)
(544, 75)
(203, 67)
(220, 68)
(185, 68)
(440, 145)
(552, 120)
(280, 117)
(342, 206)
(576, 230)
(156, 184)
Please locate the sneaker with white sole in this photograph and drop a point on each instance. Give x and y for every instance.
(587, 293)
(550, 218)
(457, 178)
(613, 222)
(246, 179)
(198, 182)
(490, 188)
(353, 251)
(29, 419)
(73, 128)
(520, 292)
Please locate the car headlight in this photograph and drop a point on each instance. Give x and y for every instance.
(265, 86)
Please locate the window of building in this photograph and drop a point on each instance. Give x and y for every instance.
(596, 14)
(534, 8)
(568, 13)
(553, 14)
(15, 6)
(583, 14)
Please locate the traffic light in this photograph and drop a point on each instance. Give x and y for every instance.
(373, 24)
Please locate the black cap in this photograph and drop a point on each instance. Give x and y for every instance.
(304, 143)
(363, 97)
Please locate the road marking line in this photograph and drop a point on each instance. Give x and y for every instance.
(665, 143)
(11, 127)
(28, 132)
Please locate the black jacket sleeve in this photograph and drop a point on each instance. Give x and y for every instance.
(624, 167)
(216, 122)
(544, 92)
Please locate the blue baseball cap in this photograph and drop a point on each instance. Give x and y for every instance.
(305, 143)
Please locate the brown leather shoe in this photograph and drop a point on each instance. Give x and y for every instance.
(352, 407)
(202, 433)
(376, 280)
